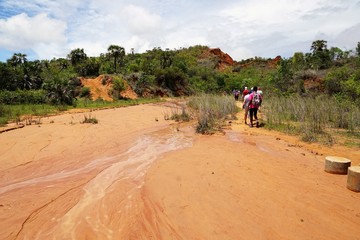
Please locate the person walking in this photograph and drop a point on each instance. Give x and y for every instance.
(259, 91)
(245, 92)
(255, 100)
(246, 106)
(236, 95)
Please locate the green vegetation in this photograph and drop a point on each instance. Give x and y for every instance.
(322, 73)
(14, 112)
(314, 119)
(118, 86)
(85, 92)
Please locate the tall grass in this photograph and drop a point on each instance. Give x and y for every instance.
(212, 111)
(313, 118)
(15, 112)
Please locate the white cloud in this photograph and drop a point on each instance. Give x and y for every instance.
(23, 32)
(242, 28)
(140, 21)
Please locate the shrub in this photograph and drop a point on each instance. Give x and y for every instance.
(314, 118)
(85, 92)
(183, 116)
(212, 111)
(23, 97)
(118, 84)
(89, 119)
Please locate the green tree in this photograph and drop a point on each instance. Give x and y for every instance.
(89, 67)
(8, 77)
(172, 78)
(117, 53)
(32, 75)
(320, 58)
(298, 61)
(19, 62)
(60, 84)
(18, 59)
(336, 53)
(283, 78)
(77, 56)
(166, 58)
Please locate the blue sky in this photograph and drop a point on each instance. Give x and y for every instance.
(44, 29)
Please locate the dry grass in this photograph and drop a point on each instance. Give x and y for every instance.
(211, 111)
(315, 119)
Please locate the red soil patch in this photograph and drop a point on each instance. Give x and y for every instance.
(101, 88)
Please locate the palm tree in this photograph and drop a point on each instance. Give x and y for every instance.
(18, 59)
(19, 64)
(60, 91)
(117, 53)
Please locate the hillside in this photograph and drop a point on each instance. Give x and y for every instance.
(101, 87)
(214, 59)
(178, 72)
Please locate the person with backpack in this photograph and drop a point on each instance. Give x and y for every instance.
(255, 100)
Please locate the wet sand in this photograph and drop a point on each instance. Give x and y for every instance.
(136, 176)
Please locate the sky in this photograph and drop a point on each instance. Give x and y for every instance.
(47, 29)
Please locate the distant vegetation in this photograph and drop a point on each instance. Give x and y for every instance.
(180, 72)
(330, 75)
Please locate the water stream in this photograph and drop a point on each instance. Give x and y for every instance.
(130, 166)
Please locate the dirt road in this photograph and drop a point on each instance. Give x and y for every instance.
(136, 176)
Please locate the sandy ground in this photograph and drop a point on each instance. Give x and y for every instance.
(135, 175)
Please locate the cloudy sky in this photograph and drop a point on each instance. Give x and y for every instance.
(44, 29)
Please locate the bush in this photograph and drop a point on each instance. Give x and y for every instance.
(182, 116)
(90, 119)
(212, 111)
(85, 92)
(118, 84)
(23, 97)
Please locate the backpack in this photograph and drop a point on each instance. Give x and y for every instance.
(237, 93)
(256, 100)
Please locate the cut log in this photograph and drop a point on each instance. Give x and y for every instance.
(353, 179)
(338, 165)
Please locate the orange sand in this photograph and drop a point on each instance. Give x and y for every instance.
(136, 176)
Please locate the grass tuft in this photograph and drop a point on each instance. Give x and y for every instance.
(89, 119)
(212, 111)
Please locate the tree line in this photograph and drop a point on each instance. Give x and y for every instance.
(178, 72)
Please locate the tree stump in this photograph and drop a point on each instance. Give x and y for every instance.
(353, 179)
(338, 165)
